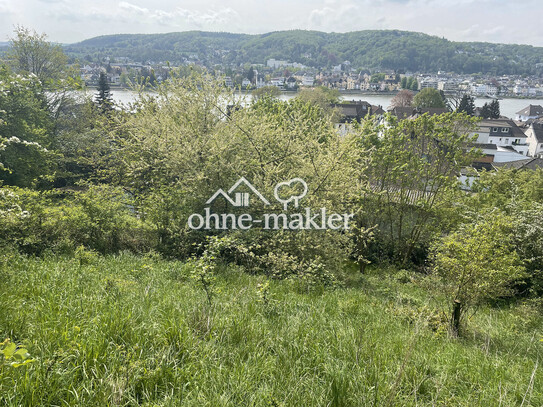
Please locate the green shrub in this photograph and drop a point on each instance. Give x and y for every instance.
(100, 218)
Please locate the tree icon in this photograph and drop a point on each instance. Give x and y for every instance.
(294, 198)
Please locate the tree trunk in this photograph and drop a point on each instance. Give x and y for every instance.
(456, 317)
(362, 266)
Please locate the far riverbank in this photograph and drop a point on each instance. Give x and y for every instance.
(508, 106)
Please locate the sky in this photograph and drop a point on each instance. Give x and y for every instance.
(69, 21)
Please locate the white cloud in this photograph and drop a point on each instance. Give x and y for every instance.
(475, 20)
(180, 16)
(332, 18)
(123, 5)
(5, 7)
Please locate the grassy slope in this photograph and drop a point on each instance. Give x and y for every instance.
(136, 331)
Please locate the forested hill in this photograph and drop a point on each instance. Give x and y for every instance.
(372, 49)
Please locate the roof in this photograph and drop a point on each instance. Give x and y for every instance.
(402, 112)
(527, 164)
(353, 110)
(377, 110)
(479, 166)
(538, 131)
(405, 112)
(516, 132)
(487, 146)
(531, 110)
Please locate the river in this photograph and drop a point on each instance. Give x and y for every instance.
(508, 107)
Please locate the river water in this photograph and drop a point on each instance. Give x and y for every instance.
(508, 107)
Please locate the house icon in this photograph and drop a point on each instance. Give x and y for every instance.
(241, 199)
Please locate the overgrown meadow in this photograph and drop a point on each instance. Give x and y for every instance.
(430, 297)
(132, 330)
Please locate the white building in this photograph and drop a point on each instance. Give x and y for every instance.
(308, 80)
(274, 63)
(534, 135)
(484, 89)
(428, 83)
(509, 139)
(525, 90)
(529, 113)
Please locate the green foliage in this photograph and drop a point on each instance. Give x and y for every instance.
(495, 109)
(429, 98)
(128, 181)
(84, 256)
(263, 291)
(205, 265)
(409, 83)
(412, 174)
(31, 53)
(144, 339)
(100, 218)
(491, 110)
(83, 144)
(320, 96)
(37, 104)
(377, 77)
(266, 91)
(519, 194)
(528, 242)
(25, 130)
(323, 98)
(466, 105)
(507, 190)
(376, 49)
(103, 98)
(15, 355)
(478, 262)
(175, 152)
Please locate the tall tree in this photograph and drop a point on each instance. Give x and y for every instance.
(428, 97)
(485, 111)
(250, 74)
(403, 98)
(412, 83)
(412, 169)
(467, 105)
(322, 97)
(103, 98)
(31, 52)
(25, 130)
(494, 109)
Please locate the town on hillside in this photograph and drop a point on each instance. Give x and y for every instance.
(292, 76)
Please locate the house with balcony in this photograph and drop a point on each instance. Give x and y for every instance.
(510, 141)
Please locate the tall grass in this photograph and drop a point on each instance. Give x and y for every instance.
(128, 331)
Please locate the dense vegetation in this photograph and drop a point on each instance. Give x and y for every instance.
(428, 295)
(372, 49)
(128, 331)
